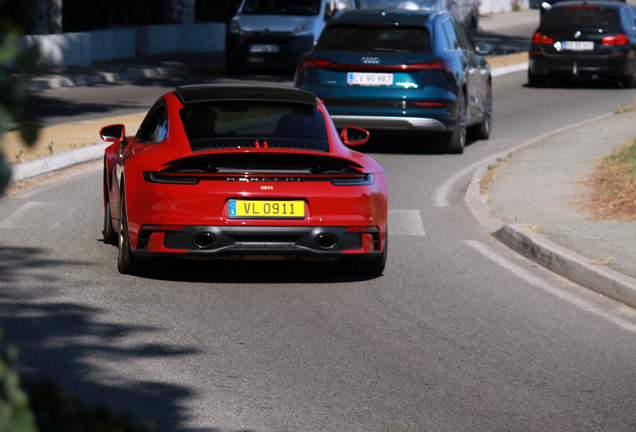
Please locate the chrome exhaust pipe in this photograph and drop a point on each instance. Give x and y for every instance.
(326, 241)
(204, 240)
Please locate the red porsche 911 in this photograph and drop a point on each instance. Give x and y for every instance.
(243, 172)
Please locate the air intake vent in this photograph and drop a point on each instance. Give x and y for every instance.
(275, 143)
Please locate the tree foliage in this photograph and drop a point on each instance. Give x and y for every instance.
(13, 21)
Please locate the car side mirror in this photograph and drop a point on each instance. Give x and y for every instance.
(353, 136)
(113, 133)
(484, 48)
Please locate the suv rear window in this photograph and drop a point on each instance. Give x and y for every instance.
(375, 38)
(580, 17)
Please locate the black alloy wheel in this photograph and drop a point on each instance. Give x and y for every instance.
(535, 80)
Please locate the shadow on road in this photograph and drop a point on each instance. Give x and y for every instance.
(245, 271)
(63, 341)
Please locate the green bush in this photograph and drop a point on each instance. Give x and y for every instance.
(15, 413)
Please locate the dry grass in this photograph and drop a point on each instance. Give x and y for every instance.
(611, 188)
(489, 176)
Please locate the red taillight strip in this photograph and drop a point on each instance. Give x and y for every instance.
(440, 66)
(162, 227)
(432, 104)
(363, 228)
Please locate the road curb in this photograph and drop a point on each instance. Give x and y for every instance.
(101, 78)
(56, 162)
(560, 260)
(568, 263)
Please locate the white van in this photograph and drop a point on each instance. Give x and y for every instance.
(276, 33)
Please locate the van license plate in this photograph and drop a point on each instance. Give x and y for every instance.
(262, 48)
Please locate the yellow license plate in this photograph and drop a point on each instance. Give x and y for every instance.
(267, 209)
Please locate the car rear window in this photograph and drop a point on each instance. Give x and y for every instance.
(239, 123)
(281, 7)
(581, 17)
(375, 38)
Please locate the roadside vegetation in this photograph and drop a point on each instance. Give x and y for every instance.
(612, 186)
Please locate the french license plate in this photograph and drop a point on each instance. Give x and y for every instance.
(260, 48)
(267, 209)
(370, 79)
(578, 45)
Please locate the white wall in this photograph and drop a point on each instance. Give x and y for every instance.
(62, 50)
(497, 6)
(112, 44)
(81, 49)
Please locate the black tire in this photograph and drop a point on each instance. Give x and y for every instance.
(628, 81)
(127, 262)
(233, 67)
(482, 130)
(110, 236)
(472, 30)
(457, 141)
(364, 267)
(535, 80)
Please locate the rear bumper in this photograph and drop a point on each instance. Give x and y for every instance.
(236, 242)
(414, 124)
(603, 66)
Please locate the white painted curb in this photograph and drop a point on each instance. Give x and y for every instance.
(56, 162)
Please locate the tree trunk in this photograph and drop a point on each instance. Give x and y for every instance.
(181, 11)
(48, 17)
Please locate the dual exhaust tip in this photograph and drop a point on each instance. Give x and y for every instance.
(326, 241)
(206, 240)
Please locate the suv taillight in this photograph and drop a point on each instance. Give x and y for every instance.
(439, 66)
(539, 39)
(310, 63)
(619, 39)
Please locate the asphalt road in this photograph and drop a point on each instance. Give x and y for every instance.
(459, 334)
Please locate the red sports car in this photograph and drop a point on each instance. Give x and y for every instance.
(243, 172)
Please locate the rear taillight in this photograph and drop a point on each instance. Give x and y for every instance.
(310, 63)
(619, 39)
(440, 66)
(431, 104)
(540, 39)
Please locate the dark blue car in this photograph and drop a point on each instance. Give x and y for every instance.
(401, 70)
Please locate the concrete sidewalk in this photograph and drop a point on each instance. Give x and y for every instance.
(531, 207)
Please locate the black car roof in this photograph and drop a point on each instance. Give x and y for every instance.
(216, 92)
(600, 3)
(383, 16)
